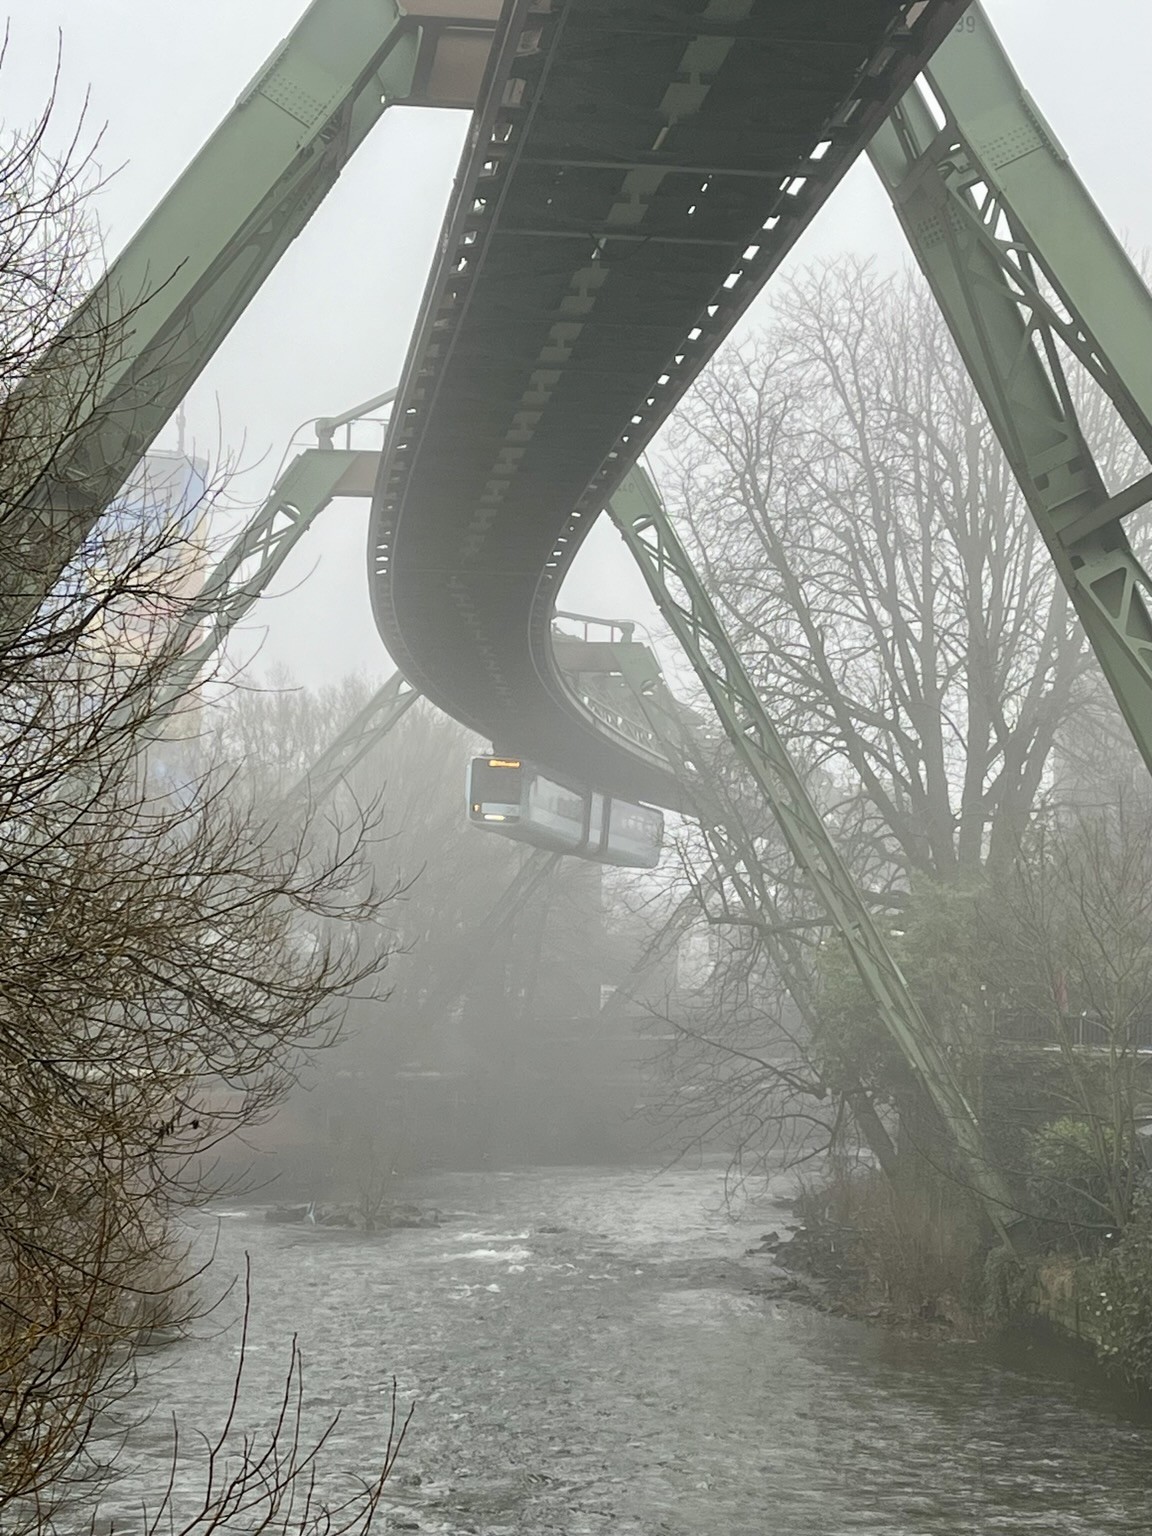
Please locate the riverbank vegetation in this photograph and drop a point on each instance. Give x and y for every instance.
(875, 563)
(186, 937)
(172, 955)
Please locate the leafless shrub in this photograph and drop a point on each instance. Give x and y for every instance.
(899, 1252)
(172, 954)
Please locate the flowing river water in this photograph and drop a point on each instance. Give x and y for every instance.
(593, 1351)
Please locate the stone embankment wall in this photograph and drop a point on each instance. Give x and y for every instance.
(1065, 1295)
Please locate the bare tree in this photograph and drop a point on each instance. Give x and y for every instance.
(1069, 962)
(879, 570)
(871, 555)
(170, 959)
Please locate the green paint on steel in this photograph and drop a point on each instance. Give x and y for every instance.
(1023, 265)
(177, 289)
(252, 561)
(365, 731)
(678, 592)
(312, 480)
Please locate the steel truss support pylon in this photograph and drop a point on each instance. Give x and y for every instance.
(529, 882)
(1027, 272)
(732, 849)
(251, 562)
(180, 284)
(313, 479)
(526, 885)
(131, 352)
(679, 594)
(367, 728)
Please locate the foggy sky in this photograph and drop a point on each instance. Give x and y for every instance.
(331, 326)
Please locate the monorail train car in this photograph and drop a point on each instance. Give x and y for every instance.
(515, 799)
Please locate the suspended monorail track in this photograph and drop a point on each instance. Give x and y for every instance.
(636, 171)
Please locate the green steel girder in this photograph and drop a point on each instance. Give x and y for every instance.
(527, 884)
(312, 480)
(722, 818)
(684, 603)
(732, 848)
(607, 669)
(149, 327)
(1026, 271)
(383, 711)
(540, 366)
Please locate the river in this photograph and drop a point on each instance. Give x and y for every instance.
(591, 1351)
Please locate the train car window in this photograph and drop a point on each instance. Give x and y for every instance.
(597, 824)
(635, 833)
(516, 800)
(495, 783)
(557, 811)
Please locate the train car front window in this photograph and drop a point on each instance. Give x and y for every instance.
(495, 786)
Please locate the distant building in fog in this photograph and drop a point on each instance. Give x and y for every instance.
(160, 519)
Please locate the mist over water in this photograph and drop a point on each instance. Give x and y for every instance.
(592, 1351)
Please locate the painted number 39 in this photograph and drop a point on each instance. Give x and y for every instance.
(966, 24)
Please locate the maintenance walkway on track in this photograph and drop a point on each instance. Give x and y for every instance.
(637, 169)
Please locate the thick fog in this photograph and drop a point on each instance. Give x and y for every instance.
(660, 1167)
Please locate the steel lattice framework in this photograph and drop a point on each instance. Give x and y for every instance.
(1029, 276)
(134, 349)
(636, 172)
(681, 596)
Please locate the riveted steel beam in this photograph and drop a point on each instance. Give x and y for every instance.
(364, 732)
(678, 592)
(311, 482)
(132, 351)
(253, 559)
(1029, 277)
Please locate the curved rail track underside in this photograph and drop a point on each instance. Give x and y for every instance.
(635, 172)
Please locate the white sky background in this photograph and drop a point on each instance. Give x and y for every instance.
(330, 328)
